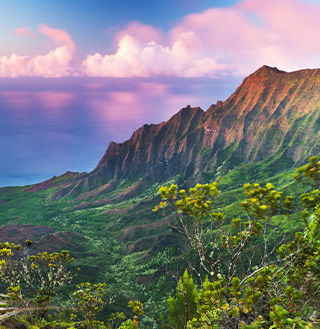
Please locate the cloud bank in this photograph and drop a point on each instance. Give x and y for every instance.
(214, 43)
(57, 63)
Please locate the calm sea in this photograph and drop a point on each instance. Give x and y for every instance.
(50, 126)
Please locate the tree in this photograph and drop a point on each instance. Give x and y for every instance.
(254, 279)
(89, 303)
(183, 307)
(31, 282)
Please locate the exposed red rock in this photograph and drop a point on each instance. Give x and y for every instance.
(42, 186)
(43, 237)
(271, 113)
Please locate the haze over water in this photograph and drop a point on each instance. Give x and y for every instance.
(48, 128)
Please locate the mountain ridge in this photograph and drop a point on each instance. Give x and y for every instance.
(270, 114)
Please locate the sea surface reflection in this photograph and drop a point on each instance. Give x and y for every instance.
(50, 126)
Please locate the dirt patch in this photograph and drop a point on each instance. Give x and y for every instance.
(113, 213)
(42, 186)
(43, 237)
(93, 203)
(130, 232)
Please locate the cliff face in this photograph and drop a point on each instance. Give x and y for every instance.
(155, 150)
(272, 113)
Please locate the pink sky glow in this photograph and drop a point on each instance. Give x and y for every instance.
(232, 41)
(24, 32)
(59, 37)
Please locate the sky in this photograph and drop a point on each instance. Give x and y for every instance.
(77, 74)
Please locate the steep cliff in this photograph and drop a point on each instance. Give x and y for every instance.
(271, 114)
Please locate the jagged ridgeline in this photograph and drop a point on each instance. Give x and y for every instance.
(272, 114)
(265, 129)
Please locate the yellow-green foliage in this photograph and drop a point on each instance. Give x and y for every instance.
(254, 280)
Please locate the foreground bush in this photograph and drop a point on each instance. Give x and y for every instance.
(30, 285)
(254, 279)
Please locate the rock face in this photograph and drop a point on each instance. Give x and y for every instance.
(272, 113)
(155, 150)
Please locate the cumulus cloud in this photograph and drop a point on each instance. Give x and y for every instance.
(140, 59)
(54, 64)
(57, 63)
(203, 44)
(217, 42)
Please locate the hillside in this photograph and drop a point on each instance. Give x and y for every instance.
(265, 129)
(271, 114)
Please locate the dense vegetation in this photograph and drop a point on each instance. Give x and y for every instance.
(266, 129)
(247, 272)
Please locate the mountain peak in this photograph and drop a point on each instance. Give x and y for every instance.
(271, 114)
(266, 70)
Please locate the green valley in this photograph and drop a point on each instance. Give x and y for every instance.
(264, 131)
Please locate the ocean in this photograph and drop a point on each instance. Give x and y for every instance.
(50, 126)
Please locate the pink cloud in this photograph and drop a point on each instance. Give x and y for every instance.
(217, 42)
(24, 31)
(137, 59)
(59, 37)
(223, 38)
(217, 29)
(142, 32)
(203, 44)
(14, 66)
(293, 24)
(57, 63)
